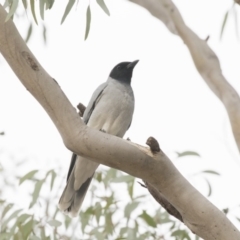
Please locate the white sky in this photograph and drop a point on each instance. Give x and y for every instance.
(173, 103)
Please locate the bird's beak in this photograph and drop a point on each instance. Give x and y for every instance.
(132, 64)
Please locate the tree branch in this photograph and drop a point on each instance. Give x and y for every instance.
(205, 60)
(197, 212)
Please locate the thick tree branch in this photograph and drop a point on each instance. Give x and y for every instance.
(197, 212)
(205, 60)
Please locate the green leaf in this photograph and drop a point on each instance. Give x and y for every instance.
(27, 229)
(224, 23)
(49, 4)
(209, 188)
(54, 223)
(98, 211)
(148, 219)
(182, 234)
(44, 33)
(53, 176)
(12, 9)
(5, 236)
(102, 4)
(211, 172)
(99, 176)
(41, 8)
(6, 209)
(84, 219)
(130, 188)
(36, 192)
(131, 234)
(67, 10)
(130, 207)
(187, 153)
(67, 221)
(12, 216)
(27, 176)
(121, 179)
(88, 21)
(34, 238)
(29, 33)
(22, 218)
(24, 3)
(32, 3)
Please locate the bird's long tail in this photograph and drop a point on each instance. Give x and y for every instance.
(79, 178)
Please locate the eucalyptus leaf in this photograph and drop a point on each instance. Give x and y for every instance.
(54, 223)
(12, 10)
(121, 179)
(209, 188)
(32, 4)
(67, 9)
(24, 3)
(148, 219)
(130, 207)
(41, 8)
(88, 22)
(27, 176)
(36, 192)
(102, 4)
(187, 153)
(211, 172)
(224, 24)
(12, 216)
(29, 33)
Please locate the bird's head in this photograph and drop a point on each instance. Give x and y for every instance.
(123, 71)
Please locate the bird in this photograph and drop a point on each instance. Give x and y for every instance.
(109, 110)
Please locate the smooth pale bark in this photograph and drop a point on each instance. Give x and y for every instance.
(197, 212)
(205, 60)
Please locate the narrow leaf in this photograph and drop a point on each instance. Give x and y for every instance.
(34, 238)
(88, 22)
(24, 3)
(53, 178)
(32, 3)
(148, 219)
(12, 9)
(27, 176)
(187, 153)
(36, 192)
(223, 24)
(121, 179)
(41, 7)
(209, 188)
(67, 10)
(23, 217)
(211, 172)
(6, 209)
(49, 4)
(44, 33)
(54, 223)
(27, 228)
(12, 216)
(130, 207)
(29, 33)
(102, 4)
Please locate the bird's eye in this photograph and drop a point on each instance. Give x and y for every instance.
(119, 67)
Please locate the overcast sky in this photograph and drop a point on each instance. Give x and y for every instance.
(173, 103)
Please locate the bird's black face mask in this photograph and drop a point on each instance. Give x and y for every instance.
(123, 71)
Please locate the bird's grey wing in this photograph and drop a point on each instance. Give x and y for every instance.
(91, 105)
(87, 114)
